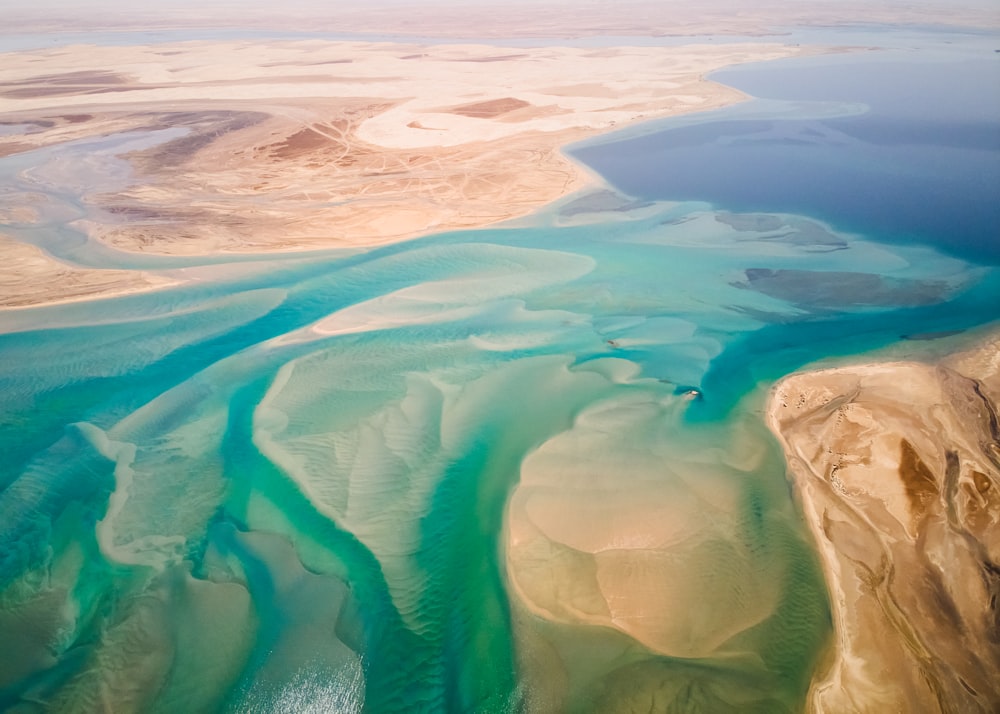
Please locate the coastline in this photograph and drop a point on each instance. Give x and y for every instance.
(896, 467)
(482, 438)
(298, 146)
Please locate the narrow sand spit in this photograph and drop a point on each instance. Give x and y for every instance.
(308, 145)
(30, 277)
(897, 467)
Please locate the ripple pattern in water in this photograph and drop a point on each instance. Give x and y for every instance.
(512, 470)
(508, 470)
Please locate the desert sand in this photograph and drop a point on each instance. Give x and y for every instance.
(897, 467)
(307, 145)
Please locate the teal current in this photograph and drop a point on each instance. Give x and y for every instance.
(283, 488)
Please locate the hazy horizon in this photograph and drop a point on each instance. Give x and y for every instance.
(515, 17)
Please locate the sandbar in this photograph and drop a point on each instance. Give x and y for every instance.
(31, 277)
(615, 524)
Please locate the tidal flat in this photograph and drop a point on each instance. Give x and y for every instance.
(331, 382)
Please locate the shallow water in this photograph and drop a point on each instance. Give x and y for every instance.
(286, 489)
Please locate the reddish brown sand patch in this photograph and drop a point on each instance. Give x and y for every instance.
(490, 109)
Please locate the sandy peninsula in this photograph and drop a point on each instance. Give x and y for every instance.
(312, 145)
(897, 467)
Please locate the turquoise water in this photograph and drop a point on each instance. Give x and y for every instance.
(284, 487)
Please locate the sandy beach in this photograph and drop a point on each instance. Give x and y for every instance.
(311, 145)
(897, 468)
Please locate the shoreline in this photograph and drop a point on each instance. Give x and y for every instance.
(29, 271)
(642, 559)
(897, 471)
(300, 146)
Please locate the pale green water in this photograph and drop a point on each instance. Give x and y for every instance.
(284, 489)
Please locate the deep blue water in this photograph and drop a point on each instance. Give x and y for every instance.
(921, 163)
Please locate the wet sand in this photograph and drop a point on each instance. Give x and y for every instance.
(30, 277)
(314, 145)
(642, 539)
(897, 468)
(642, 575)
(604, 532)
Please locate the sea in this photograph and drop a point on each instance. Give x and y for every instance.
(285, 485)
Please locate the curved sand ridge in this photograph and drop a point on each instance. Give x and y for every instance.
(30, 277)
(898, 469)
(607, 527)
(373, 462)
(644, 575)
(305, 145)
